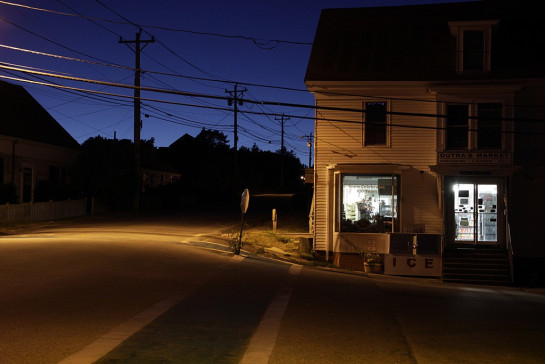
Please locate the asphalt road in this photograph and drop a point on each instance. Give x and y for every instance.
(158, 290)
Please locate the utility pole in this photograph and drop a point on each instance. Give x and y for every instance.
(235, 99)
(282, 120)
(309, 144)
(139, 45)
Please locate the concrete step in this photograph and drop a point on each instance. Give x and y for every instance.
(477, 266)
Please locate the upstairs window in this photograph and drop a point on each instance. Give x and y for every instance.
(473, 45)
(457, 125)
(473, 52)
(375, 124)
(489, 126)
(473, 127)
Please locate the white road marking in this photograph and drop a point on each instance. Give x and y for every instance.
(263, 341)
(109, 341)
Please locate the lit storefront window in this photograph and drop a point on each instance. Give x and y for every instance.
(369, 203)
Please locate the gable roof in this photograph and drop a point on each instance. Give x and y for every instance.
(406, 43)
(23, 117)
(182, 141)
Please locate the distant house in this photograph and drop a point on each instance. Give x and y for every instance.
(34, 147)
(430, 137)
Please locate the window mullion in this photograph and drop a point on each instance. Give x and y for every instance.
(472, 127)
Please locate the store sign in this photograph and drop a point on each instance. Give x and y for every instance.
(493, 158)
(412, 265)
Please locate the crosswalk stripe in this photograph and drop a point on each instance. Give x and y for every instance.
(263, 341)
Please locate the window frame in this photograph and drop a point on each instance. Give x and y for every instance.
(460, 128)
(395, 196)
(458, 29)
(387, 122)
(473, 129)
(483, 127)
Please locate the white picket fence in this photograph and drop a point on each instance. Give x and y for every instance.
(40, 211)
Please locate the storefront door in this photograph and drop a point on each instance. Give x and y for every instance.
(476, 212)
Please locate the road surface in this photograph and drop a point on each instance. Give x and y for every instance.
(164, 290)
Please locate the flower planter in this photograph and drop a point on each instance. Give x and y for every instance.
(372, 267)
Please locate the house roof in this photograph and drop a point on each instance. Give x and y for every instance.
(182, 141)
(23, 117)
(408, 43)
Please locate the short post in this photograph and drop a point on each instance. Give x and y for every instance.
(274, 220)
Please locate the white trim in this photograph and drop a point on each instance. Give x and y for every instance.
(457, 30)
(473, 101)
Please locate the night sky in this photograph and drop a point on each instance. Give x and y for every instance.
(262, 45)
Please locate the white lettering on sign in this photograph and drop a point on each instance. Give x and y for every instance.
(503, 158)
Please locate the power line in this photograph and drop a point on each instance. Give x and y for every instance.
(70, 58)
(54, 42)
(92, 97)
(158, 41)
(64, 57)
(260, 42)
(92, 20)
(271, 103)
(338, 147)
(329, 93)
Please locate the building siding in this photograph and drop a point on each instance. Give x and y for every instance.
(412, 144)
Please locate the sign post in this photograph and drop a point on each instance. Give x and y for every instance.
(274, 220)
(244, 202)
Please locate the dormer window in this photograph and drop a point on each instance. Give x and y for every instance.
(473, 44)
(473, 52)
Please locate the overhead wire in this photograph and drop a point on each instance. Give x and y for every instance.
(154, 59)
(276, 104)
(99, 97)
(158, 40)
(184, 93)
(92, 20)
(322, 92)
(103, 63)
(260, 42)
(55, 42)
(128, 22)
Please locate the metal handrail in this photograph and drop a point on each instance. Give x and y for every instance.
(510, 251)
(311, 217)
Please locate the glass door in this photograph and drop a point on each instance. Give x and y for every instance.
(475, 213)
(464, 213)
(487, 213)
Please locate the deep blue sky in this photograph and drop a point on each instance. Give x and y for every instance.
(178, 54)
